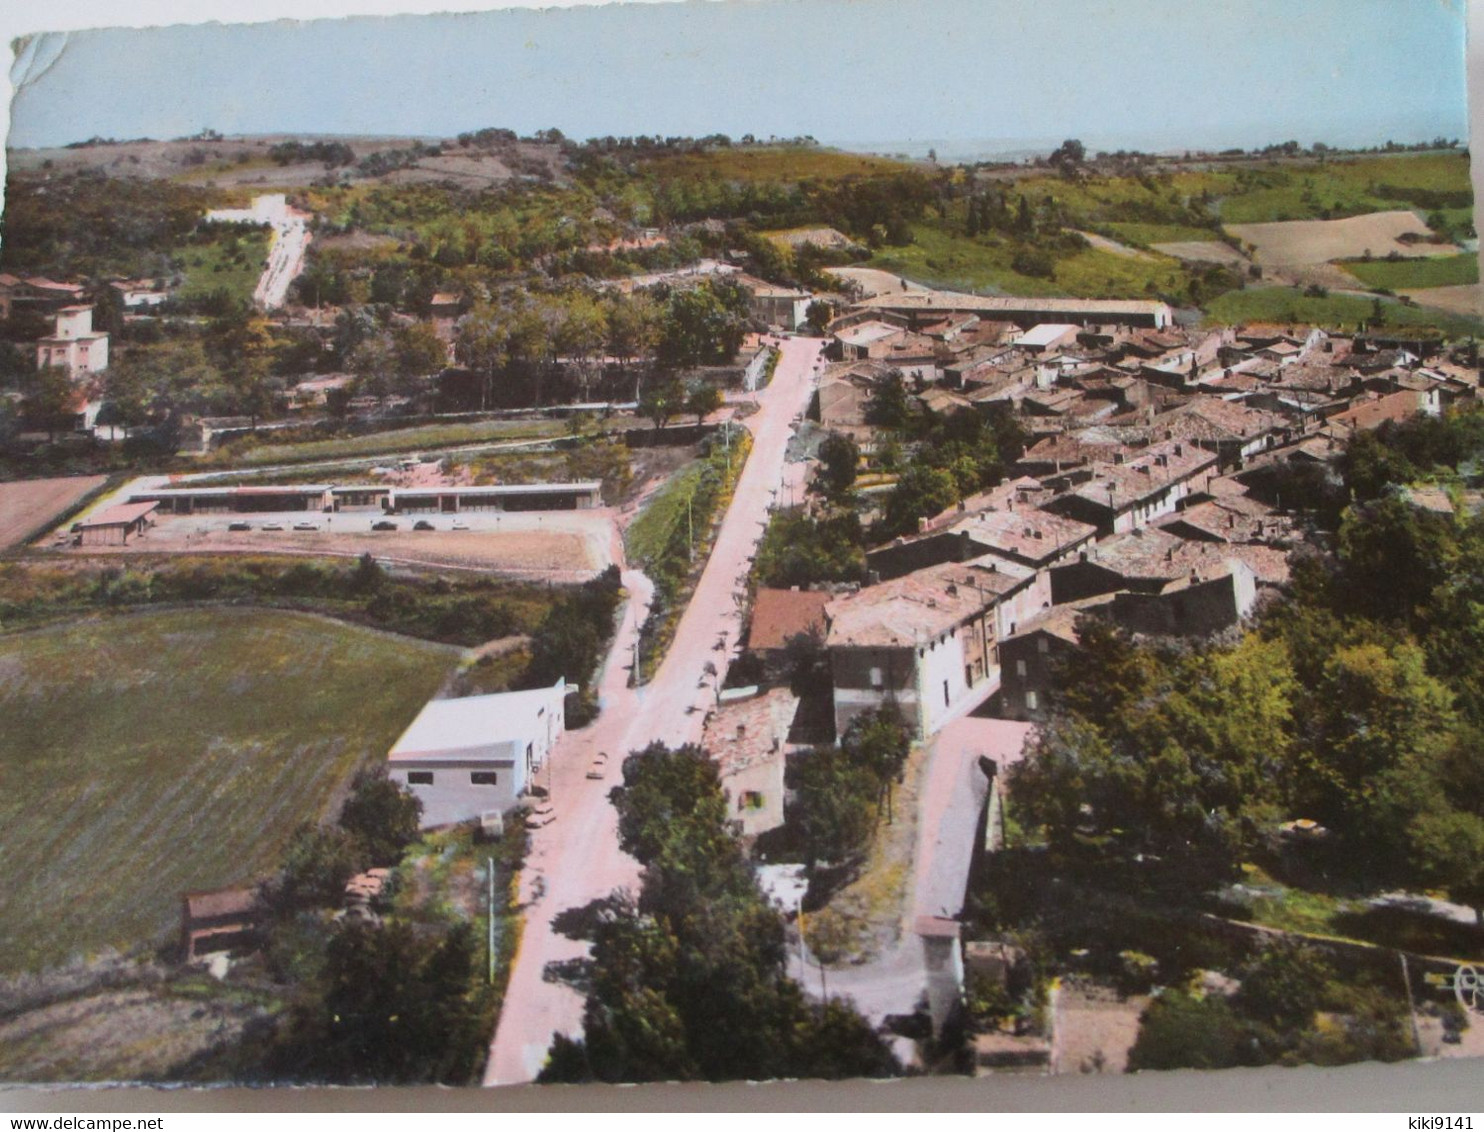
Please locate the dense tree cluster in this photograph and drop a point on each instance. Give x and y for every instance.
(687, 980)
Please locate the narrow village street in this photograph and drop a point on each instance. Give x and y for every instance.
(576, 858)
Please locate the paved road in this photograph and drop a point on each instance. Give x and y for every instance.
(947, 826)
(576, 859)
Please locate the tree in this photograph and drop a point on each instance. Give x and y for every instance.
(818, 315)
(889, 406)
(483, 346)
(581, 334)
(839, 457)
(396, 1009)
(661, 400)
(1448, 851)
(1180, 1031)
(834, 804)
(316, 867)
(919, 492)
(878, 741)
(381, 815)
(374, 363)
(703, 399)
(1068, 157)
(51, 399)
(419, 353)
(687, 981)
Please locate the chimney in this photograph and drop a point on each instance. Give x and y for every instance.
(1179, 450)
(1119, 457)
(741, 731)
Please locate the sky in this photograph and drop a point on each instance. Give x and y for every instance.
(968, 77)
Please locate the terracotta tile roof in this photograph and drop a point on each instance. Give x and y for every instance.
(746, 732)
(1150, 554)
(921, 605)
(779, 615)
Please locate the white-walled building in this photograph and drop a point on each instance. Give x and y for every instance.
(467, 756)
(74, 345)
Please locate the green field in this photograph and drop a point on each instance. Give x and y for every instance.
(233, 262)
(386, 443)
(942, 258)
(1265, 191)
(1411, 274)
(146, 755)
(1143, 235)
(1287, 304)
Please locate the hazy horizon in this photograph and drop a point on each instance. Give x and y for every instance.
(969, 79)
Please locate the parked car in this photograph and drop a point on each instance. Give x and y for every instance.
(239, 526)
(423, 525)
(541, 815)
(383, 525)
(460, 525)
(306, 526)
(272, 526)
(600, 765)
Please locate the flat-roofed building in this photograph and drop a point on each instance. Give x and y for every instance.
(580, 496)
(467, 756)
(196, 500)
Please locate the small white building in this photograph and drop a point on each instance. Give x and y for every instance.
(74, 345)
(466, 756)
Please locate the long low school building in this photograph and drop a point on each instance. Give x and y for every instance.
(353, 497)
(201, 500)
(499, 497)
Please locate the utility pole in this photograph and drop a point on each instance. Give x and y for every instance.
(490, 917)
(690, 527)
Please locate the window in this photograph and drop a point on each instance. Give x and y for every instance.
(751, 800)
(419, 778)
(876, 680)
(1020, 668)
(483, 778)
(946, 700)
(1042, 644)
(1030, 701)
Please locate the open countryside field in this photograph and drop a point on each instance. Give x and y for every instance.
(27, 506)
(1416, 274)
(1319, 241)
(150, 754)
(1288, 304)
(1466, 299)
(1203, 251)
(941, 258)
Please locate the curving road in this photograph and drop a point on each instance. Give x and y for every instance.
(576, 859)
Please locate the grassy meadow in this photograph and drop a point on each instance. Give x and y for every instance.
(154, 753)
(232, 262)
(939, 257)
(1288, 304)
(1413, 274)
